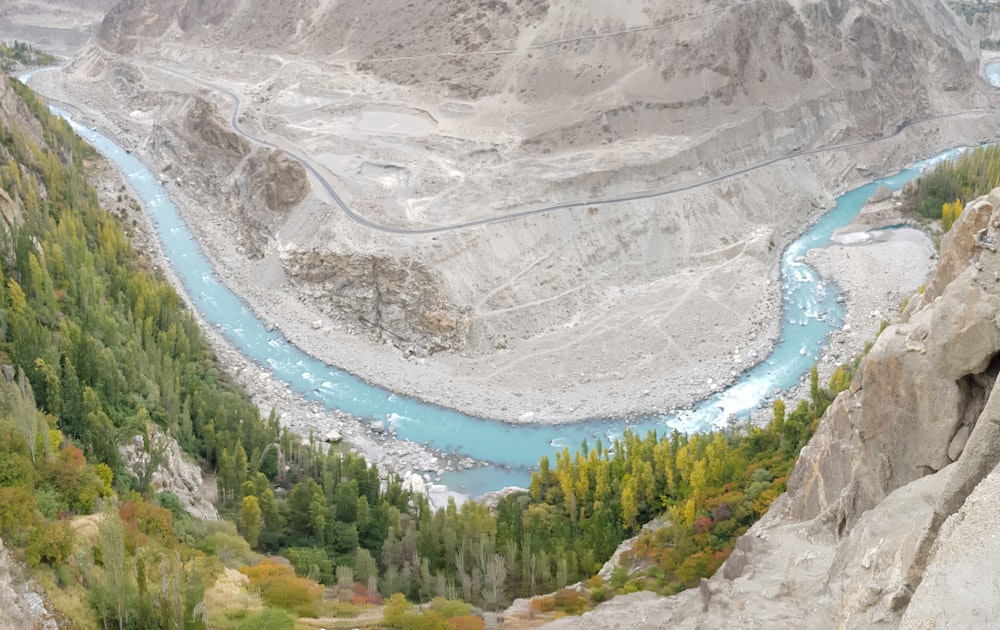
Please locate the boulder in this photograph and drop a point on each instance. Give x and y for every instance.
(415, 483)
(957, 444)
(23, 603)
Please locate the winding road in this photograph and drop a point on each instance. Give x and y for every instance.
(520, 214)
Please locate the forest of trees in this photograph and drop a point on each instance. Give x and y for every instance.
(21, 55)
(972, 174)
(102, 349)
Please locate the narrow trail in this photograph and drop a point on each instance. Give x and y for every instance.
(364, 221)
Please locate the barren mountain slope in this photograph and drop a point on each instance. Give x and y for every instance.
(56, 26)
(425, 115)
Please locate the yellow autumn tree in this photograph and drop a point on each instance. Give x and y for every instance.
(950, 213)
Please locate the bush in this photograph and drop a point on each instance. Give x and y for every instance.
(144, 517)
(618, 577)
(309, 561)
(50, 542)
(632, 586)
(268, 619)
(466, 622)
(17, 513)
(280, 587)
(450, 607)
(169, 501)
(50, 503)
(361, 596)
(222, 541)
(543, 604)
(598, 594)
(16, 470)
(344, 609)
(571, 601)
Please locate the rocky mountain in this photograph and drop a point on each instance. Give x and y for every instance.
(425, 116)
(891, 504)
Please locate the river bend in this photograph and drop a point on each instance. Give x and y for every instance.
(810, 312)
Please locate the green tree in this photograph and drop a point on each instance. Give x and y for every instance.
(250, 521)
(115, 595)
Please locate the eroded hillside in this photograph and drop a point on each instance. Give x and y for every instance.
(426, 116)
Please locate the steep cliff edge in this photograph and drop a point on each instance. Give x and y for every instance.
(890, 500)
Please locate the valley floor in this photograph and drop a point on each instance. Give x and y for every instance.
(876, 272)
(659, 352)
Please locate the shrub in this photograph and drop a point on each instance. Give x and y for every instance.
(17, 513)
(311, 560)
(16, 470)
(344, 609)
(280, 587)
(168, 500)
(544, 604)
(466, 622)
(571, 601)
(450, 607)
(268, 619)
(598, 594)
(618, 577)
(221, 540)
(361, 596)
(142, 517)
(50, 542)
(632, 586)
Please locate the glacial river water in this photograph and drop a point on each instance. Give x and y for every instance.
(810, 312)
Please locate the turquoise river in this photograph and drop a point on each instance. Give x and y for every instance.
(810, 312)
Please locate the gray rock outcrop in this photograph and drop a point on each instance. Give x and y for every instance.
(175, 473)
(23, 605)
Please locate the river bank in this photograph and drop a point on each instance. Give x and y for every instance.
(313, 416)
(658, 363)
(432, 379)
(418, 465)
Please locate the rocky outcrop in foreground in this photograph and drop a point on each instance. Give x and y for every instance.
(174, 472)
(890, 509)
(22, 605)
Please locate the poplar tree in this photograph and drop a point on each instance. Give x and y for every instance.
(250, 521)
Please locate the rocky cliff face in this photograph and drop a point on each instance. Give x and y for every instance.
(255, 186)
(890, 500)
(23, 604)
(400, 299)
(686, 56)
